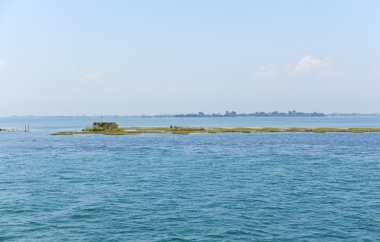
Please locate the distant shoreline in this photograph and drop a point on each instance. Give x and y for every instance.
(258, 115)
(227, 114)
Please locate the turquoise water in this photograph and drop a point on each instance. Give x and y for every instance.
(200, 187)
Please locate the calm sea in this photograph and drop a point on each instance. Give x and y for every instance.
(199, 187)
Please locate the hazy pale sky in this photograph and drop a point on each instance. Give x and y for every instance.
(75, 57)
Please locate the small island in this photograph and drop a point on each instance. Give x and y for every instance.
(111, 128)
(7, 130)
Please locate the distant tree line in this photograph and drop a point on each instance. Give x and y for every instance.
(256, 114)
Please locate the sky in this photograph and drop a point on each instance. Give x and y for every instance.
(75, 57)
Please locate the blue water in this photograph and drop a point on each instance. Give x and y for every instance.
(200, 187)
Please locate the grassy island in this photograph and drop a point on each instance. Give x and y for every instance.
(113, 129)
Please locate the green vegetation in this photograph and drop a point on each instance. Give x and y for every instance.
(363, 130)
(8, 130)
(115, 130)
(104, 126)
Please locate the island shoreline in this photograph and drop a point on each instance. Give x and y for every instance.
(215, 130)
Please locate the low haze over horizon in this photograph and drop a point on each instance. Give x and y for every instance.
(174, 57)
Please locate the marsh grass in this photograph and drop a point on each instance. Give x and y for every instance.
(192, 130)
